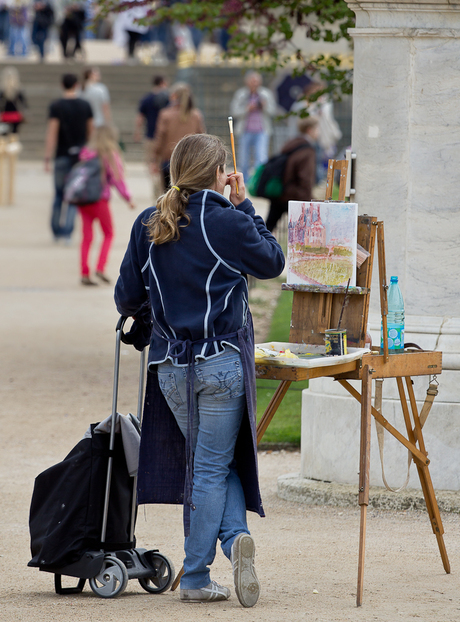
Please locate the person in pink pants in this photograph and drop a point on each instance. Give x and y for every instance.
(103, 145)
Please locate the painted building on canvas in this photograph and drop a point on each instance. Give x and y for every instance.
(308, 230)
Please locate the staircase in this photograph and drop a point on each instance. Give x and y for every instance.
(212, 88)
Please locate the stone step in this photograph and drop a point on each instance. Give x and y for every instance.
(213, 88)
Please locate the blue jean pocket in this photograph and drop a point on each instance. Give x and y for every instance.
(168, 386)
(221, 382)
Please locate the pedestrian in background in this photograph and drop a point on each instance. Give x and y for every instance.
(146, 119)
(329, 132)
(4, 21)
(300, 171)
(127, 32)
(43, 20)
(71, 30)
(98, 97)
(253, 107)
(174, 122)
(69, 127)
(102, 145)
(17, 45)
(12, 99)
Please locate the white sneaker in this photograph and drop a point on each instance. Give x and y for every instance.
(211, 592)
(247, 585)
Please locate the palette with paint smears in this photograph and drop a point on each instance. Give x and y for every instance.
(302, 355)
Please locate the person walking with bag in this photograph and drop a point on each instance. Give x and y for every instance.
(104, 146)
(70, 124)
(300, 171)
(186, 267)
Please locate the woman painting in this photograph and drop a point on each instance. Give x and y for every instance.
(187, 262)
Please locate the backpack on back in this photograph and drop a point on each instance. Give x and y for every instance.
(268, 179)
(84, 182)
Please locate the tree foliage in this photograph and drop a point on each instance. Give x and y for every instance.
(262, 31)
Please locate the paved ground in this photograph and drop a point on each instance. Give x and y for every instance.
(105, 52)
(56, 367)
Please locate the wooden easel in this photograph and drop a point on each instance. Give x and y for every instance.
(315, 309)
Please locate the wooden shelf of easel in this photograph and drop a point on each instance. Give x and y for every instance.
(407, 363)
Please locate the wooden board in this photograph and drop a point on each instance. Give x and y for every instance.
(284, 372)
(399, 365)
(324, 289)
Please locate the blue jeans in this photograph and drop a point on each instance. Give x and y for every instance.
(39, 36)
(218, 495)
(252, 146)
(17, 37)
(62, 220)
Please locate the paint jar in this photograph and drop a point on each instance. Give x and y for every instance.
(336, 342)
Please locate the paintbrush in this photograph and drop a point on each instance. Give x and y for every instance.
(343, 305)
(232, 141)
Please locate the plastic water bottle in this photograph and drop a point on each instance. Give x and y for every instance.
(395, 318)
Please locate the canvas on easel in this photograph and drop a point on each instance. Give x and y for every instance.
(322, 243)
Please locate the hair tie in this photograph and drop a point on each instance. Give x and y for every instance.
(176, 187)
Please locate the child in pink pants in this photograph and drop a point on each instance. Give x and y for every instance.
(104, 146)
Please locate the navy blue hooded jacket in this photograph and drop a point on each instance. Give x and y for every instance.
(197, 286)
(198, 289)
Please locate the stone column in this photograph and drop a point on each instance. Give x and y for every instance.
(406, 136)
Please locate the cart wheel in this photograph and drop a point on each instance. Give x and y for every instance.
(112, 578)
(163, 575)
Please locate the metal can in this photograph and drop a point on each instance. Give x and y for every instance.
(336, 342)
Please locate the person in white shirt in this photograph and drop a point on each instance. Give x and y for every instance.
(253, 107)
(98, 97)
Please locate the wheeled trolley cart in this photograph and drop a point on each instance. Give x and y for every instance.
(83, 510)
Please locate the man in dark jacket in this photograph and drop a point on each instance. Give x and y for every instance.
(299, 174)
(148, 111)
(43, 20)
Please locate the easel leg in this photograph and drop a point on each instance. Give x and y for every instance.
(364, 463)
(272, 408)
(423, 471)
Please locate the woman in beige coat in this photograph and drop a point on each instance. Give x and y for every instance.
(179, 119)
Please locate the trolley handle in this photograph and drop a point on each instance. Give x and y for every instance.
(121, 336)
(140, 331)
(121, 323)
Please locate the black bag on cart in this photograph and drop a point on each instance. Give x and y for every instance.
(68, 501)
(83, 510)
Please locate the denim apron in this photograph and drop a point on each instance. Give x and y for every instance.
(165, 471)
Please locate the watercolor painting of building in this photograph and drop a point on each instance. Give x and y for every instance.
(322, 239)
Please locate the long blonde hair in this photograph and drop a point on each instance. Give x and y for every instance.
(104, 142)
(181, 92)
(11, 83)
(193, 167)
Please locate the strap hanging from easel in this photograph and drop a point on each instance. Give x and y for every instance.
(431, 393)
(381, 440)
